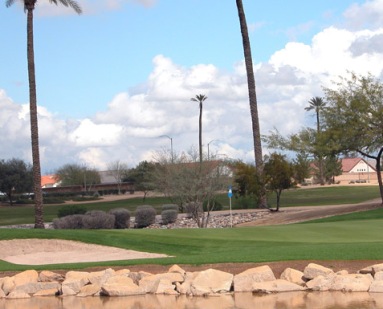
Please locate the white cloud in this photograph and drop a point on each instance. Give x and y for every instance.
(130, 127)
(366, 15)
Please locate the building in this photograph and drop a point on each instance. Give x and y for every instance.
(356, 170)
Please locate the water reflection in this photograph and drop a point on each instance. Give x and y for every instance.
(293, 300)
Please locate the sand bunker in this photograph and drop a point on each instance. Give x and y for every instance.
(56, 251)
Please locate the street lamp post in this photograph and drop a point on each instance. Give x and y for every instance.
(171, 145)
(208, 148)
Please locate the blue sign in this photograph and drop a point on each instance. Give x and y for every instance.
(230, 192)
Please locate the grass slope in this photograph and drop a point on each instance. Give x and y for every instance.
(326, 241)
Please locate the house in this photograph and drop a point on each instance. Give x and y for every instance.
(356, 170)
(50, 181)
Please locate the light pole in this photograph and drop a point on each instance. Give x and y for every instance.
(208, 148)
(171, 145)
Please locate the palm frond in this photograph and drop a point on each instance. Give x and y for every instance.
(8, 3)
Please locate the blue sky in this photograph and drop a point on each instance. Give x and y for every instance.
(124, 72)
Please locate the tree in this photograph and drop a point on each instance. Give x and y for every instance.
(247, 183)
(75, 174)
(142, 175)
(318, 104)
(29, 6)
(354, 118)
(278, 175)
(15, 177)
(190, 183)
(301, 167)
(200, 98)
(118, 171)
(252, 94)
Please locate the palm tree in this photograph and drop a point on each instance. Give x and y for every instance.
(200, 98)
(317, 104)
(252, 94)
(29, 6)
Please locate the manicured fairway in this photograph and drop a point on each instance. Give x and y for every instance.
(346, 240)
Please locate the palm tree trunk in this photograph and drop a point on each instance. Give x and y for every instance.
(39, 218)
(252, 96)
(200, 133)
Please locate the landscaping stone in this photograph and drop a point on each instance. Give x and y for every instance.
(313, 270)
(243, 281)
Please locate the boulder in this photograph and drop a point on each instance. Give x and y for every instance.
(17, 295)
(313, 270)
(49, 276)
(185, 287)
(49, 292)
(243, 281)
(320, 283)
(34, 287)
(100, 277)
(2, 294)
(211, 281)
(89, 290)
(352, 283)
(8, 284)
(164, 286)
(149, 283)
(278, 285)
(377, 268)
(75, 280)
(378, 276)
(177, 269)
(293, 275)
(376, 286)
(24, 277)
(127, 289)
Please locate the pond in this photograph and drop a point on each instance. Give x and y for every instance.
(291, 300)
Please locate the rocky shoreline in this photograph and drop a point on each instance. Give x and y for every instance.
(177, 281)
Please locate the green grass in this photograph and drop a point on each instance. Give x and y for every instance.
(346, 240)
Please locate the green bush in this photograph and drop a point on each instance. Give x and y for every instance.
(68, 222)
(169, 216)
(145, 215)
(245, 202)
(214, 205)
(71, 210)
(122, 218)
(170, 207)
(97, 219)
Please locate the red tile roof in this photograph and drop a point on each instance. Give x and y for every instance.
(48, 180)
(349, 163)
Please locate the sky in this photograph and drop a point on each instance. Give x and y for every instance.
(115, 83)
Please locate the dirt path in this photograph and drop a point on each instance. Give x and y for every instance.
(304, 213)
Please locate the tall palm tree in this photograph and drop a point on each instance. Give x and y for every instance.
(200, 98)
(252, 94)
(317, 104)
(29, 6)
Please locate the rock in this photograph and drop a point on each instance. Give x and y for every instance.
(164, 286)
(211, 281)
(122, 272)
(120, 285)
(185, 287)
(378, 275)
(49, 276)
(89, 290)
(294, 276)
(149, 283)
(278, 285)
(313, 270)
(34, 287)
(376, 286)
(177, 269)
(17, 295)
(320, 283)
(2, 294)
(49, 292)
(8, 285)
(377, 268)
(67, 291)
(243, 281)
(75, 280)
(352, 283)
(100, 277)
(24, 277)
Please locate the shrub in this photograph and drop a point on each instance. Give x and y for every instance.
(214, 205)
(97, 219)
(68, 222)
(122, 218)
(71, 210)
(170, 207)
(192, 209)
(169, 216)
(145, 216)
